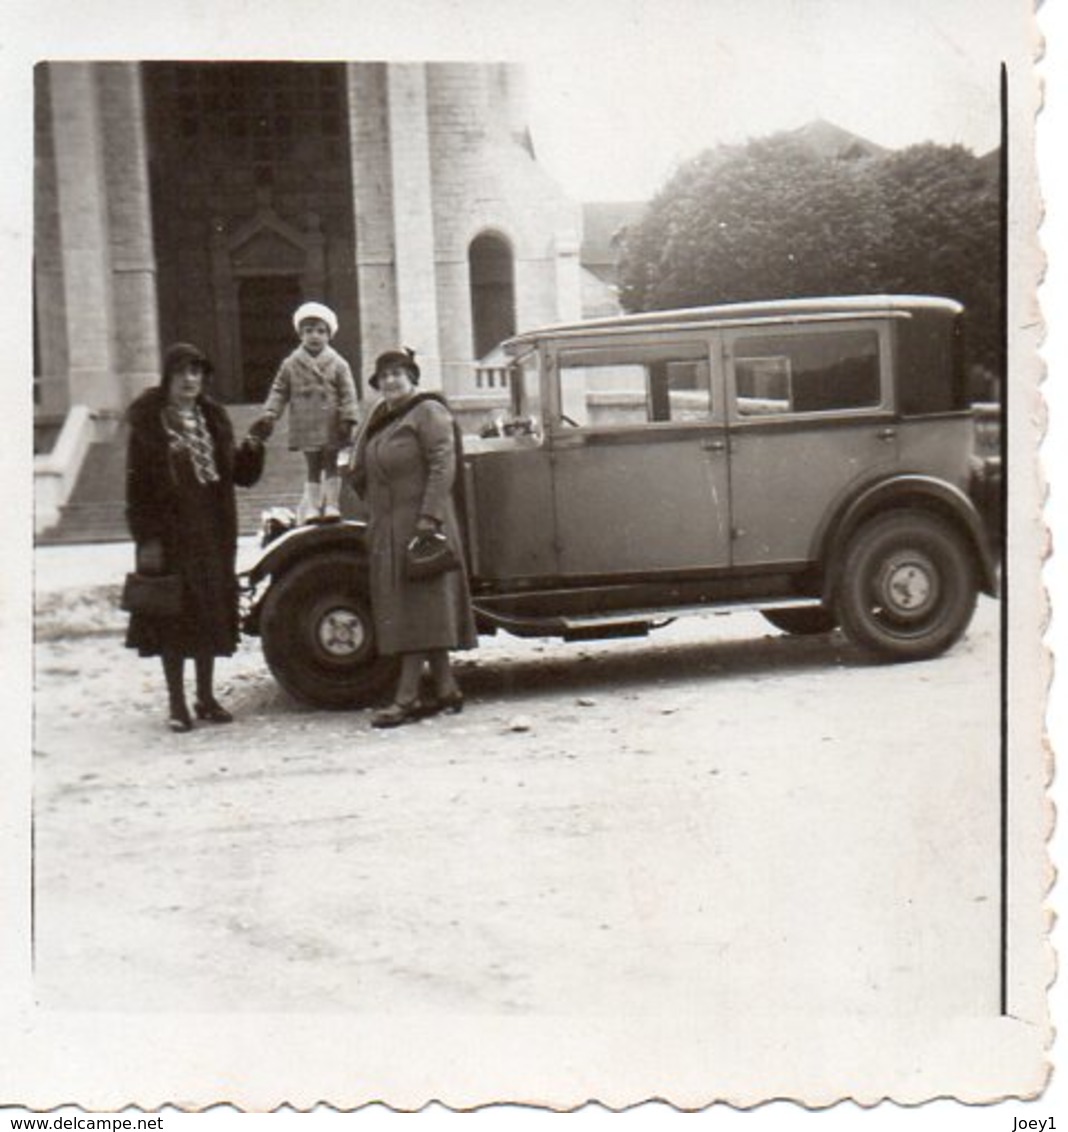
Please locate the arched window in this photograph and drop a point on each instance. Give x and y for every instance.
(492, 292)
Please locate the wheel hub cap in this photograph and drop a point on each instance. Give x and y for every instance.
(341, 633)
(908, 586)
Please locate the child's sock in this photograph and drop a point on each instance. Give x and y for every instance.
(310, 502)
(331, 497)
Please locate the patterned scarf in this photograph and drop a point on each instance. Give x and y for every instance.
(189, 433)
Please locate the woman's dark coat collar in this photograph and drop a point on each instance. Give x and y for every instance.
(382, 415)
(147, 406)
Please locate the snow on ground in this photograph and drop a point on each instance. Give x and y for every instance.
(713, 819)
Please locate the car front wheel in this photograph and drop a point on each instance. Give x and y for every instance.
(908, 586)
(318, 637)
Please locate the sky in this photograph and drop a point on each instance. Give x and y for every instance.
(615, 108)
(619, 92)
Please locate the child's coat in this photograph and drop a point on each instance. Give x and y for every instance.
(321, 396)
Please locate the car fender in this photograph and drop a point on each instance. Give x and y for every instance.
(909, 490)
(299, 543)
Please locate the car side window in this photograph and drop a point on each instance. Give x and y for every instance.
(824, 371)
(602, 389)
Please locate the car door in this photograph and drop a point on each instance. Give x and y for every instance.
(511, 532)
(639, 460)
(811, 418)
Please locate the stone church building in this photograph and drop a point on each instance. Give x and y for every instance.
(203, 201)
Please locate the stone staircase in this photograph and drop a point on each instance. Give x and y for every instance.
(96, 510)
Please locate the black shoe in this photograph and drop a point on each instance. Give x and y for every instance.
(212, 711)
(451, 703)
(179, 718)
(397, 714)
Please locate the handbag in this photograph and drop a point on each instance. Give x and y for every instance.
(154, 595)
(249, 459)
(429, 554)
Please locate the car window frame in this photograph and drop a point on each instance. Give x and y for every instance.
(696, 346)
(887, 404)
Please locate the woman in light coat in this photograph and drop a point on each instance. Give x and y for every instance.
(407, 467)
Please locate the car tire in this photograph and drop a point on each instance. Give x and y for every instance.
(803, 621)
(318, 636)
(907, 586)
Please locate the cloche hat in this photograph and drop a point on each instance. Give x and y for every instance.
(400, 357)
(179, 355)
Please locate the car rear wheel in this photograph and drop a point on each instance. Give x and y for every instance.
(908, 586)
(804, 621)
(318, 637)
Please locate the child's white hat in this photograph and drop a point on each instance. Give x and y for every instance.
(315, 310)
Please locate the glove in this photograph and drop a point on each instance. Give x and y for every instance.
(262, 427)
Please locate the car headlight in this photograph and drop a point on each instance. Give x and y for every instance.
(274, 522)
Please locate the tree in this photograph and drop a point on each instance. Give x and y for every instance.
(776, 219)
(942, 236)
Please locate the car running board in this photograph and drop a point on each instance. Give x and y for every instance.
(632, 623)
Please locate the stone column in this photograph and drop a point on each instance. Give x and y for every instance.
(129, 216)
(81, 192)
(49, 294)
(372, 196)
(413, 218)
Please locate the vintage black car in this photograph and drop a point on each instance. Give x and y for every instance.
(813, 459)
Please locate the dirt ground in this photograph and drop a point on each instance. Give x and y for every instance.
(718, 817)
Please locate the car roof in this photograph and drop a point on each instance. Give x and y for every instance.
(730, 314)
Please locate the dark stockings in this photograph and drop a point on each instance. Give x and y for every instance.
(441, 674)
(411, 674)
(174, 671)
(205, 666)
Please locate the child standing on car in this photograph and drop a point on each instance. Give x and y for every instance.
(316, 383)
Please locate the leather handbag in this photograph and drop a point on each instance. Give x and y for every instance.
(429, 554)
(153, 595)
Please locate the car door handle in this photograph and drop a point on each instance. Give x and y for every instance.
(714, 445)
(886, 433)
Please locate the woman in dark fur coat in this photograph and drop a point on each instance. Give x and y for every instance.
(180, 476)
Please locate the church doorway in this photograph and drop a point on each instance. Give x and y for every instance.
(266, 304)
(251, 184)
